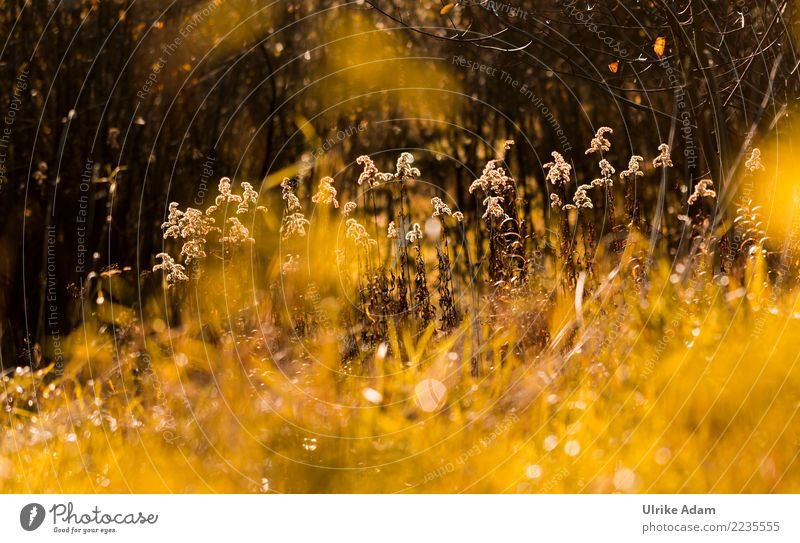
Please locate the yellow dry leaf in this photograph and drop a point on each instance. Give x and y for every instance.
(447, 8)
(660, 46)
(614, 67)
(307, 129)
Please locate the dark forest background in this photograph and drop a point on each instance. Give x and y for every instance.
(108, 118)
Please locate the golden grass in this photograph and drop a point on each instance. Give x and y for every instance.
(691, 387)
(255, 376)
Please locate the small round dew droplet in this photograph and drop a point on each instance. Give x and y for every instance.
(662, 456)
(430, 395)
(533, 471)
(625, 480)
(433, 229)
(372, 395)
(572, 448)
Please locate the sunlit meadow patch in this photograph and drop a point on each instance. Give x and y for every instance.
(375, 338)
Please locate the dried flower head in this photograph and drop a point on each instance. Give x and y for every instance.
(225, 195)
(404, 168)
(391, 232)
(414, 234)
(754, 162)
(358, 234)
(175, 272)
(294, 224)
(703, 189)
(192, 226)
(440, 208)
(558, 170)
(492, 179)
(249, 196)
(581, 199)
(633, 168)
(326, 194)
(348, 208)
(193, 249)
(555, 201)
(507, 144)
(370, 174)
(606, 171)
(599, 142)
(236, 233)
(494, 208)
(663, 160)
(186, 224)
(171, 226)
(458, 216)
(288, 195)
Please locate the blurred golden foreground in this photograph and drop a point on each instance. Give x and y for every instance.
(691, 388)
